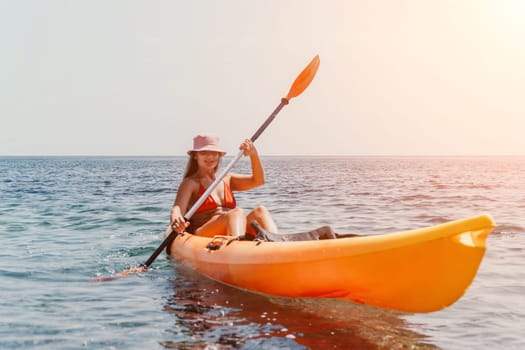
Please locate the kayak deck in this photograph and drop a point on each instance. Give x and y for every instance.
(419, 270)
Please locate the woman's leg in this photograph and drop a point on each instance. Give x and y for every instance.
(231, 223)
(263, 217)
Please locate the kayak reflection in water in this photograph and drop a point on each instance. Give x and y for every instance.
(219, 214)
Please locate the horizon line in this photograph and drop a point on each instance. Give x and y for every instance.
(261, 155)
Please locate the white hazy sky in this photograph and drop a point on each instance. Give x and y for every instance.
(123, 77)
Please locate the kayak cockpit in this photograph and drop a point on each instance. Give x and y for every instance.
(321, 233)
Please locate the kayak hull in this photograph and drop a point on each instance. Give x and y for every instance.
(419, 270)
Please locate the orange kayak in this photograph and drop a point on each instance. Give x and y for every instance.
(420, 270)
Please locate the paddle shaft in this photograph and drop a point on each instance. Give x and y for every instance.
(214, 184)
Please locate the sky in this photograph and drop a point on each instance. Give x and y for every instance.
(398, 77)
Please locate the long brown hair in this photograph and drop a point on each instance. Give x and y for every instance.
(192, 166)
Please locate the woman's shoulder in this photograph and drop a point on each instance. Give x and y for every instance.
(227, 178)
(190, 182)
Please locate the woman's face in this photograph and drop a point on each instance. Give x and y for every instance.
(207, 159)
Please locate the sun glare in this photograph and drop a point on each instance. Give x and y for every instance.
(513, 15)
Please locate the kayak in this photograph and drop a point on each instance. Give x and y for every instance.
(419, 270)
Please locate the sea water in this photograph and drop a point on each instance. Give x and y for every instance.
(64, 220)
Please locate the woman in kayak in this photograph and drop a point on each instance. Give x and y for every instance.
(219, 214)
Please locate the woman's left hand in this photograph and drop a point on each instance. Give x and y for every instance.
(248, 147)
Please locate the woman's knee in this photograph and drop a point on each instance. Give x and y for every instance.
(260, 211)
(263, 217)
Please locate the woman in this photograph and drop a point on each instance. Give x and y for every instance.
(218, 215)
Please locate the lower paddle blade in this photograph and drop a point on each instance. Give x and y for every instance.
(138, 269)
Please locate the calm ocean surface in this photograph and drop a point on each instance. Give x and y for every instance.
(64, 220)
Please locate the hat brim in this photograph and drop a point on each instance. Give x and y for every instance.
(211, 148)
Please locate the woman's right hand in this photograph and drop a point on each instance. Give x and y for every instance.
(179, 224)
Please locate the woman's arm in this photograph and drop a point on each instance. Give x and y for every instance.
(242, 182)
(180, 206)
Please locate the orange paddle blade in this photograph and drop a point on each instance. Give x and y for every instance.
(304, 79)
(138, 269)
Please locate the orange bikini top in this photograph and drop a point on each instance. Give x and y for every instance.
(210, 203)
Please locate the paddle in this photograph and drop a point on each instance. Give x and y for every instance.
(299, 85)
